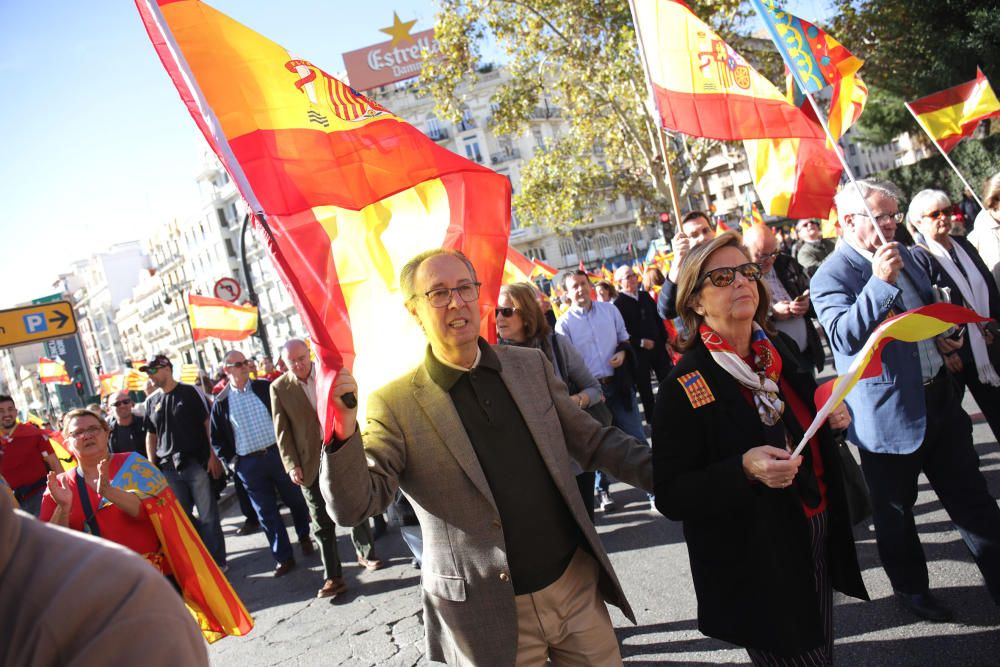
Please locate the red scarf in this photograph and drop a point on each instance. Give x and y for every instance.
(762, 379)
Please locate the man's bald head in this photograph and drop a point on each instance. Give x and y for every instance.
(762, 245)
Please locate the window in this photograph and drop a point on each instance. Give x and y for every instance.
(472, 150)
(467, 122)
(229, 248)
(536, 132)
(853, 150)
(535, 253)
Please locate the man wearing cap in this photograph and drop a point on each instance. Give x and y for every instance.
(177, 442)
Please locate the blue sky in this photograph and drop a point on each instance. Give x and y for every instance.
(97, 146)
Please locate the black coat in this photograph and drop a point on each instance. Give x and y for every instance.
(748, 544)
(939, 277)
(795, 281)
(641, 319)
(223, 440)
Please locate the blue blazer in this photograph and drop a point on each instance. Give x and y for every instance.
(888, 410)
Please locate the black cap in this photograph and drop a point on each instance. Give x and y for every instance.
(159, 361)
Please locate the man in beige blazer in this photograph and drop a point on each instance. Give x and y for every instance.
(479, 439)
(293, 406)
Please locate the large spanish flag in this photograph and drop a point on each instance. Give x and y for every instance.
(350, 192)
(912, 326)
(953, 114)
(52, 371)
(218, 318)
(703, 88)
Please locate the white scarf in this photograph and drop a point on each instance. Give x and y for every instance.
(764, 388)
(976, 296)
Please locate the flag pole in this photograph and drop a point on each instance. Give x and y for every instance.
(820, 116)
(660, 132)
(945, 156)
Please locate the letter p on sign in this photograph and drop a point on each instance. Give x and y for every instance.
(35, 322)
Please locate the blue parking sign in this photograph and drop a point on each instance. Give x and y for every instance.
(35, 322)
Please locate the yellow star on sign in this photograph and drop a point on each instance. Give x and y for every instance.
(400, 30)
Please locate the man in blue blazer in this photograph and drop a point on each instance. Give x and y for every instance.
(907, 420)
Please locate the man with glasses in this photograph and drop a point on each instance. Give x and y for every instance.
(813, 249)
(791, 312)
(177, 443)
(128, 430)
(243, 436)
(479, 439)
(906, 420)
(300, 444)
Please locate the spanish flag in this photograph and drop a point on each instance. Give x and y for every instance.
(953, 114)
(218, 318)
(703, 88)
(350, 191)
(543, 269)
(912, 326)
(52, 371)
(517, 268)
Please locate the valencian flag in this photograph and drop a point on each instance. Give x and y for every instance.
(517, 268)
(797, 178)
(702, 87)
(207, 593)
(218, 318)
(52, 371)
(951, 115)
(912, 326)
(350, 191)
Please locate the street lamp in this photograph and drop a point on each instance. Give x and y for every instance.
(187, 321)
(251, 293)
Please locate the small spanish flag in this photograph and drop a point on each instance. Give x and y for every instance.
(953, 114)
(217, 318)
(543, 269)
(52, 371)
(517, 268)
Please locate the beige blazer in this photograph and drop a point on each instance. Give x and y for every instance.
(297, 427)
(414, 440)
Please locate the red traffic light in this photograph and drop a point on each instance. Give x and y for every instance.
(664, 217)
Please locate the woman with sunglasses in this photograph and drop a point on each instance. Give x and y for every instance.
(520, 322)
(768, 536)
(76, 498)
(951, 261)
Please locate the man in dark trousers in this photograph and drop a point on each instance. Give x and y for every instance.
(177, 443)
(243, 436)
(646, 335)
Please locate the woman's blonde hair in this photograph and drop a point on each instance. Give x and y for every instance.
(83, 412)
(691, 279)
(525, 298)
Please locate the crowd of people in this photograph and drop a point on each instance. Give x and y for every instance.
(504, 452)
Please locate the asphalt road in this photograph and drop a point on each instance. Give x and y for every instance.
(378, 622)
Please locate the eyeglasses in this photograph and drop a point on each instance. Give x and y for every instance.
(769, 255)
(506, 312)
(83, 432)
(126, 401)
(884, 218)
(937, 215)
(725, 275)
(237, 364)
(441, 297)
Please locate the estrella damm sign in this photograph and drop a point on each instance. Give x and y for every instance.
(38, 322)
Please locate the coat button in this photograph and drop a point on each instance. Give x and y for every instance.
(504, 577)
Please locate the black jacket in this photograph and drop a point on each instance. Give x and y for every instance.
(794, 279)
(223, 440)
(748, 544)
(939, 277)
(641, 319)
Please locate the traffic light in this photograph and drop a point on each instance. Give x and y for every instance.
(79, 388)
(664, 218)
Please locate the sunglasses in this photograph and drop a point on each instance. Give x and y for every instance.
(118, 404)
(237, 364)
(506, 312)
(725, 275)
(937, 215)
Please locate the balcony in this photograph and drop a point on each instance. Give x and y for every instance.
(505, 155)
(545, 112)
(439, 134)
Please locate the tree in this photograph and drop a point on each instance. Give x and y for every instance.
(578, 58)
(912, 49)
